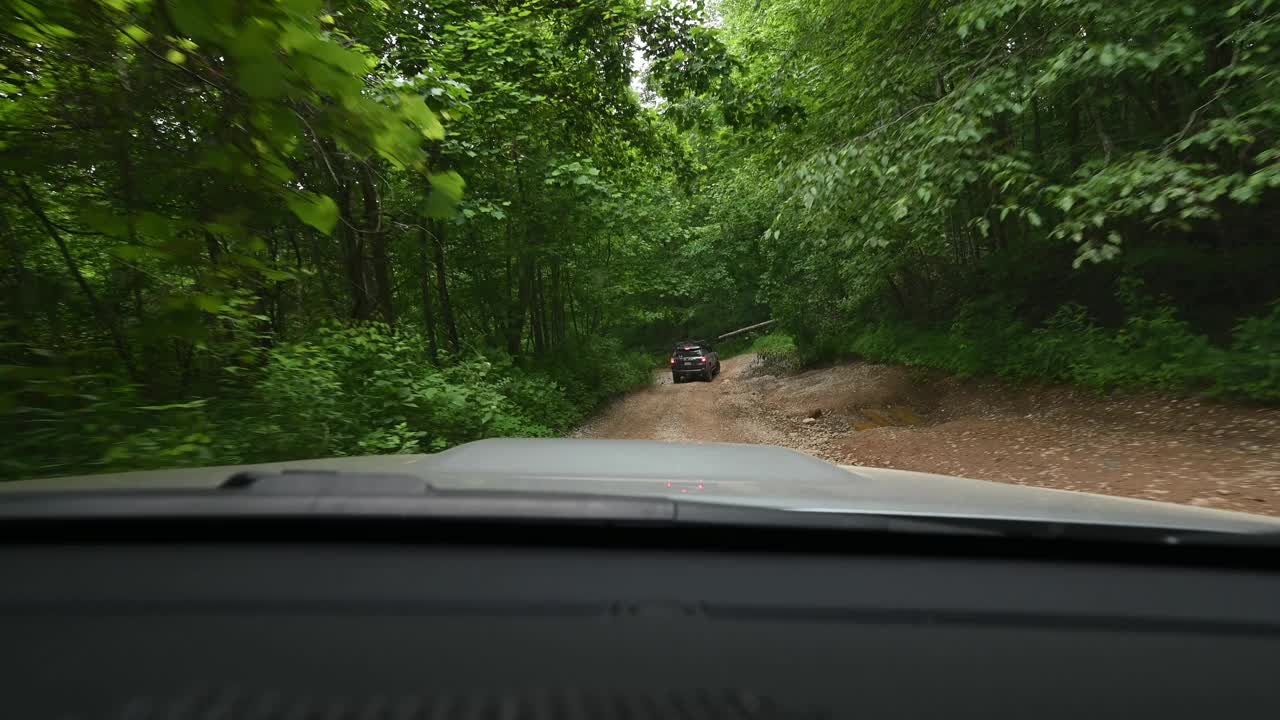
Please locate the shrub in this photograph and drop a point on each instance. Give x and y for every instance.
(596, 369)
(367, 390)
(1252, 369)
(344, 391)
(777, 352)
(737, 346)
(1151, 349)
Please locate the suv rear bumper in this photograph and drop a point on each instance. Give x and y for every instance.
(690, 372)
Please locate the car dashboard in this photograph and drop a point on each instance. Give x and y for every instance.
(249, 619)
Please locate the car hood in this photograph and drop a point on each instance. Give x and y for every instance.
(751, 475)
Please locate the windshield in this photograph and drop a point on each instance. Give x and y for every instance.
(1031, 242)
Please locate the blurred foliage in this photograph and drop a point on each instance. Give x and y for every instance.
(239, 230)
(345, 391)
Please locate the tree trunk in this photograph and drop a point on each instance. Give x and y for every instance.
(320, 260)
(428, 313)
(1103, 137)
(525, 269)
(898, 297)
(134, 278)
(537, 322)
(1073, 136)
(277, 314)
(442, 286)
(573, 312)
(514, 307)
(378, 244)
(557, 304)
(353, 256)
(1038, 136)
(16, 262)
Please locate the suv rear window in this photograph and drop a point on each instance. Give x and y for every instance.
(689, 352)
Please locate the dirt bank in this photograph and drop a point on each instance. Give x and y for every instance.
(1177, 450)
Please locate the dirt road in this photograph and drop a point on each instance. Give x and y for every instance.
(716, 411)
(1177, 450)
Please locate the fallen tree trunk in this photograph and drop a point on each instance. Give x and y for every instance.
(749, 328)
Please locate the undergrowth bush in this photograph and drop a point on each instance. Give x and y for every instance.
(596, 369)
(367, 390)
(777, 353)
(1151, 349)
(737, 346)
(1252, 367)
(344, 391)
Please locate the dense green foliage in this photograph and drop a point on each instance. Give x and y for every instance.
(345, 391)
(1151, 349)
(238, 230)
(980, 185)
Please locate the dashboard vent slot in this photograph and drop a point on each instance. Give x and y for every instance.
(549, 705)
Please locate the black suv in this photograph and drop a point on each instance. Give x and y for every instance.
(694, 359)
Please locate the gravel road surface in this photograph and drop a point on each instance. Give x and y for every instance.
(1173, 449)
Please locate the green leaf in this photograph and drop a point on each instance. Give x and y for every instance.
(416, 110)
(305, 8)
(135, 253)
(349, 61)
(318, 211)
(195, 18)
(104, 220)
(446, 193)
(449, 183)
(137, 34)
(262, 80)
(191, 405)
(208, 303)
